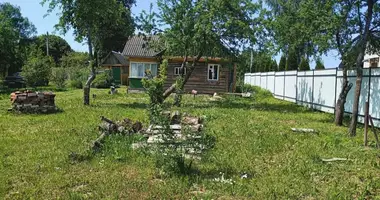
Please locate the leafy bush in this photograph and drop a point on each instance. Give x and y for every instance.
(103, 80)
(59, 77)
(76, 84)
(154, 87)
(37, 69)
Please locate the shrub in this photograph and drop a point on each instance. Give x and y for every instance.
(76, 84)
(59, 77)
(103, 80)
(37, 69)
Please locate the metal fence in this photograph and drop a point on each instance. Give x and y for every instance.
(319, 89)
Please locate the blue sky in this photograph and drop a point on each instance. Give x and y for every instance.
(33, 10)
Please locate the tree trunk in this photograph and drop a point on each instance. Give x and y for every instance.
(359, 64)
(339, 108)
(179, 92)
(355, 108)
(172, 88)
(87, 87)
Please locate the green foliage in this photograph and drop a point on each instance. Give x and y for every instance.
(304, 65)
(108, 22)
(59, 77)
(291, 62)
(58, 47)
(103, 80)
(154, 87)
(15, 33)
(74, 60)
(319, 64)
(274, 67)
(37, 69)
(77, 84)
(282, 64)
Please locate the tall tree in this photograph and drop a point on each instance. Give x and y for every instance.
(274, 67)
(282, 64)
(91, 21)
(367, 28)
(304, 65)
(58, 47)
(15, 33)
(197, 28)
(292, 61)
(319, 64)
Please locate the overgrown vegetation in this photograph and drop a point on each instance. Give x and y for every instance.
(103, 80)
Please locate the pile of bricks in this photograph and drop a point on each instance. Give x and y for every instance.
(33, 102)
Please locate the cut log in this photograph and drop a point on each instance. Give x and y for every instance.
(137, 126)
(304, 130)
(334, 159)
(175, 118)
(191, 120)
(97, 144)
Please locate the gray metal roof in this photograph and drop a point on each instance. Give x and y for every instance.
(115, 58)
(137, 46)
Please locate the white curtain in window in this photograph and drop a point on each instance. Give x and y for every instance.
(134, 70)
(154, 69)
(140, 67)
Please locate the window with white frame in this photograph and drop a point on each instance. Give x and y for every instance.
(213, 72)
(138, 69)
(177, 71)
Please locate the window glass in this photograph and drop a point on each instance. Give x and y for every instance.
(140, 67)
(213, 72)
(154, 69)
(134, 70)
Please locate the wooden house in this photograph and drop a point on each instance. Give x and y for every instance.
(128, 68)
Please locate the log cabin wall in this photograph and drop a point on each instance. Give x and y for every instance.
(199, 79)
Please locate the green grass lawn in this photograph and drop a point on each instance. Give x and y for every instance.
(252, 135)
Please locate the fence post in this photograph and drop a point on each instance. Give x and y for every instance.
(312, 93)
(336, 86)
(274, 91)
(283, 95)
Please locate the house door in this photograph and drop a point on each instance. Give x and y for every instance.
(116, 74)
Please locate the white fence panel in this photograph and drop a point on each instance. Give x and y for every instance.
(324, 90)
(279, 85)
(290, 86)
(374, 106)
(270, 82)
(320, 89)
(305, 88)
(258, 79)
(263, 81)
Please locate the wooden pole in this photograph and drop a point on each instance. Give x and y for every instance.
(366, 113)
(374, 131)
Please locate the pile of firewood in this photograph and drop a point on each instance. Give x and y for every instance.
(108, 127)
(33, 102)
(183, 127)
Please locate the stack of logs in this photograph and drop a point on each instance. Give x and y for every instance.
(33, 102)
(108, 127)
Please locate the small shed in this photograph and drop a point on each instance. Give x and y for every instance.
(119, 65)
